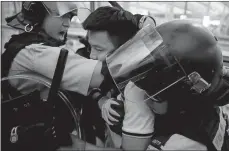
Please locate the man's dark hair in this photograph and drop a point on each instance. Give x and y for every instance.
(116, 22)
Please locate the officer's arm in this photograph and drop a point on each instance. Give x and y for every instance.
(97, 77)
(80, 73)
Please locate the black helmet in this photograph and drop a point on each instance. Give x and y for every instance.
(174, 60)
(34, 12)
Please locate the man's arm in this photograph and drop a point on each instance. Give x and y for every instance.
(138, 123)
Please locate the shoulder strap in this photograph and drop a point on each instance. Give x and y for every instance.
(52, 97)
(58, 74)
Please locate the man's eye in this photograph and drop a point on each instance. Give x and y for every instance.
(98, 49)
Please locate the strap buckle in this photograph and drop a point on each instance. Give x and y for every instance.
(14, 135)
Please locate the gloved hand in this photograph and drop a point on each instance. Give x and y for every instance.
(112, 110)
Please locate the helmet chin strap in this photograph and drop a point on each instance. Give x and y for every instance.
(153, 96)
(194, 80)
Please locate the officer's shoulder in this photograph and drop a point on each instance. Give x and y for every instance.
(40, 48)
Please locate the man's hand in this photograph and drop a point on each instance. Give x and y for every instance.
(112, 110)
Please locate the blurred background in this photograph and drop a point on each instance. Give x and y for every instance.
(212, 15)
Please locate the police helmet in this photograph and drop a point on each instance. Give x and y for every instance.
(175, 60)
(33, 13)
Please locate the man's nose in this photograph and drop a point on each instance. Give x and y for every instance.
(66, 22)
(93, 55)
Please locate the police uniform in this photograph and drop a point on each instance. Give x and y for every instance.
(36, 52)
(42, 59)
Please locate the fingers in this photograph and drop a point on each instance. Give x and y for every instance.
(111, 118)
(113, 112)
(109, 114)
(104, 116)
(107, 120)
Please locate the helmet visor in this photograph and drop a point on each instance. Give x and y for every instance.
(59, 9)
(145, 61)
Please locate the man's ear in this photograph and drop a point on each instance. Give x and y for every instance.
(117, 41)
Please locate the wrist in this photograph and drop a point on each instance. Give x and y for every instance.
(95, 94)
(102, 101)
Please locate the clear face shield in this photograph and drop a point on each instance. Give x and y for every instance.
(146, 61)
(76, 9)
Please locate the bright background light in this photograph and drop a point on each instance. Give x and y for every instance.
(206, 21)
(183, 16)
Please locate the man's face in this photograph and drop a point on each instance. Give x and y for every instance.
(57, 27)
(101, 44)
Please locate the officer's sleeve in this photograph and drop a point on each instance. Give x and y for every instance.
(77, 73)
(139, 119)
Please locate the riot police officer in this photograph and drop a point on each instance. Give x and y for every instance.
(185, 71)
(180, 64)
(36, 50)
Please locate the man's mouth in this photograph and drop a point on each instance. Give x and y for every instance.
(63, 34)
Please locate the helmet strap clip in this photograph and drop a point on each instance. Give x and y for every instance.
(198, 84)
(28, 28)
